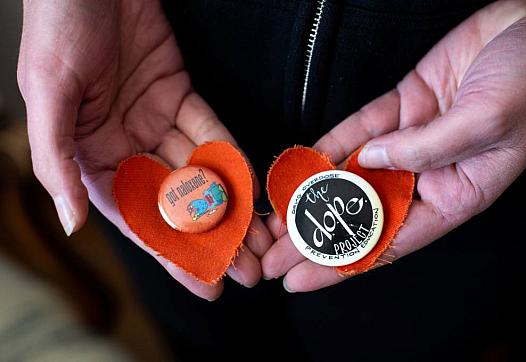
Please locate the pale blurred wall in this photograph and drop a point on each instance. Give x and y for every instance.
(10, 29)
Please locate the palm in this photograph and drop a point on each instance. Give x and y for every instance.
(131, 107)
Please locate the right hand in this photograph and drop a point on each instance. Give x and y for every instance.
(458, 120)
(102, 81)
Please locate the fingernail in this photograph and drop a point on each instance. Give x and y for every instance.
(266, 278)
(233, 273)
(213, 299)
(286, 287)
(374, 156)
(253, 284)
(65, 214)
(236, 275)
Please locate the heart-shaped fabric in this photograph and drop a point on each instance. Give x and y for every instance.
(395, 189)
(205, 255)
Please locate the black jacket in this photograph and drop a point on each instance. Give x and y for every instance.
(451, 301)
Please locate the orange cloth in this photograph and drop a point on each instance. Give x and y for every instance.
(395, 189)
(289, 170)
(205, 255)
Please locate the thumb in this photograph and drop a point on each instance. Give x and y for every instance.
(51, 118)
(453, 137)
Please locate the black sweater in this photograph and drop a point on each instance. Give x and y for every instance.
(453, 300)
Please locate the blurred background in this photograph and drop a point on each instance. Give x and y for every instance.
(61, 298)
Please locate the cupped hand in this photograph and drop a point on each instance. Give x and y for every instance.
(458, 120)
(104, 80)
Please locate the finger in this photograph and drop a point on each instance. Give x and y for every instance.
(308, 276)
(411, 103)
(448, 139)
(200, 289)
(276, 226)
(376, 118)
(424, 224)
(51, 118)
(200, 124)
(280, 258)
(258, 238)
(468, 125)
(476, 183)
(418, 102)
(175, 148)
(246, 269)
(100, 190)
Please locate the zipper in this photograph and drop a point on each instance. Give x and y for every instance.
(311, 44)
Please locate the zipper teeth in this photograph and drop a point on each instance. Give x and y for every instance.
(313, 36)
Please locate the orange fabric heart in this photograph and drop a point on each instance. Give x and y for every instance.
(205, 255)
(395, 189)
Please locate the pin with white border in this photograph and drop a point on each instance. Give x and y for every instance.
(335, 218)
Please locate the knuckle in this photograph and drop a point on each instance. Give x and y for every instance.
(339, 149)
(20, 77)
(461, 202)
(39, 171)
(212, 295)
(500, 126)
(207, 127)
(409, 158)
(174, 135)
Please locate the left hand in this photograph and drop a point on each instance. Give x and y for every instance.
(103, 81)
(458, 120)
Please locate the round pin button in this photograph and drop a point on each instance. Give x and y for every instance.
(335, 218)
(192, 199)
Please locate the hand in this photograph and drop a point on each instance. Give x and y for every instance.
(458, 120)
(104, 80)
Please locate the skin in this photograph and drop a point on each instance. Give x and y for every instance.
(104, 80)
(458, 120)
